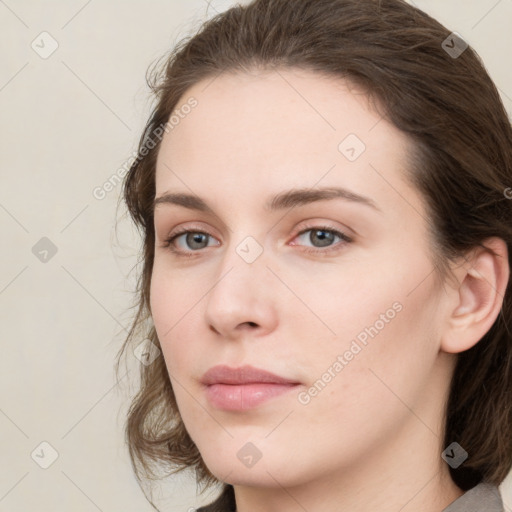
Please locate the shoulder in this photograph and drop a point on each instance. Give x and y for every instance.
(482, 497)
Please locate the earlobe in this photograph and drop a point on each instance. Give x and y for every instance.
(483, 280)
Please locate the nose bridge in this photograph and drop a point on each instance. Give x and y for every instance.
(243, 265)
(241, 293)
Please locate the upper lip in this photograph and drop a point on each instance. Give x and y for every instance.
(223, 374)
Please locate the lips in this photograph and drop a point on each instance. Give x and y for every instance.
(223, 374)
(240, 389)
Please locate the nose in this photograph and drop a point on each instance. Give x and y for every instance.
(243, 297)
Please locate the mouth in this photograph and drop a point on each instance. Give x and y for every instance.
(244, 388)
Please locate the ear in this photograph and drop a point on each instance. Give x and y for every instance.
(482, 282)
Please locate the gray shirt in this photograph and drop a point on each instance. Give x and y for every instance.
(482, 498)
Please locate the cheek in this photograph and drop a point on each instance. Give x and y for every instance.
(387, 326)
(374, 383)
(159, 300)
(176, 309)
(344, 304)
(166, 312)
(170, 299)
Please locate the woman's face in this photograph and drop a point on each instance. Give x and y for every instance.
(334, 292)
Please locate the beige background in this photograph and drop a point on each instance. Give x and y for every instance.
(68, 123)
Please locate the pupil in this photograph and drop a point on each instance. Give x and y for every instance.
(325, 237)
(195, 238)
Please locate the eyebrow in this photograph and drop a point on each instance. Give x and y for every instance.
(287, 199)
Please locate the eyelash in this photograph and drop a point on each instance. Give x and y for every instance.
(169, 242)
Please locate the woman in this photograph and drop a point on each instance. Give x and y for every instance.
(323, 194)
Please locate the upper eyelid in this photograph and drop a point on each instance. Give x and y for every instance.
(313, 225)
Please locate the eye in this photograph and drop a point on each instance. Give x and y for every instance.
(194, 240)
(321, 237)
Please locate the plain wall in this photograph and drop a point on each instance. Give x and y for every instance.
(69, 122)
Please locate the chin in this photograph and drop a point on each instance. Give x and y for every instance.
(266, 472)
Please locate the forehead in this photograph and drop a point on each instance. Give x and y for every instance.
(263, 131)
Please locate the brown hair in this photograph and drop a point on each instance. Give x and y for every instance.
(451, 110)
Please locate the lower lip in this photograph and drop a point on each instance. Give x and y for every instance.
(231, 397)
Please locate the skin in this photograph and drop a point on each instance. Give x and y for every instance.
(372, 438)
